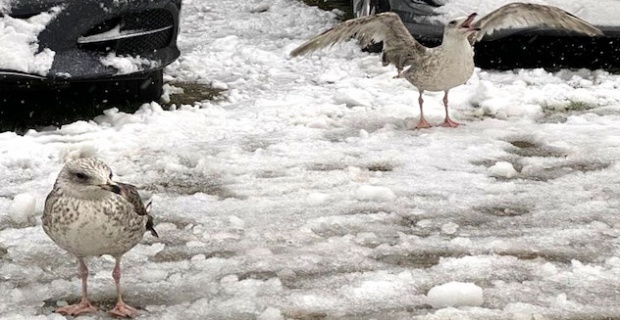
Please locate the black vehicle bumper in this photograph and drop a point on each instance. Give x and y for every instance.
(149, 30)
(551, 52)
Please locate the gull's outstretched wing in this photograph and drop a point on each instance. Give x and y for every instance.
(399, 47)
(528, 15)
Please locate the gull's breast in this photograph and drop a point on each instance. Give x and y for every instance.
(92, 228)
(442, 69)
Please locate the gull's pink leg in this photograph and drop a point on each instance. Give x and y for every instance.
(423, 123)
(121, 309)
(84, 306)
(447, 121)
(399, 73)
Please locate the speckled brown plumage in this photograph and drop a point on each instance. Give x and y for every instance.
(88, 214)
(130, 193)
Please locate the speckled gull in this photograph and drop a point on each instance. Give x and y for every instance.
(451, 64)
(88, 214)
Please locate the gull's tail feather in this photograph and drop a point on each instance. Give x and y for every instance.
(150, 226)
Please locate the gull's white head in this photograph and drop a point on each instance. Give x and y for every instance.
(86, 178)
(460, 27)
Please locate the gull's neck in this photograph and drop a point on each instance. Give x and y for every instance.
(456, 43)
(91, 194)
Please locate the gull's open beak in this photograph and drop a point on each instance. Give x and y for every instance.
(111, 186)
(467, 23)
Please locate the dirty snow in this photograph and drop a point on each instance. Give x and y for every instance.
(296, 197)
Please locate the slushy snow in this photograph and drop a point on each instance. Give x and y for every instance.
(286, 199)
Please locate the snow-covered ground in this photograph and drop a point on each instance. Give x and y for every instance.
(302, 195)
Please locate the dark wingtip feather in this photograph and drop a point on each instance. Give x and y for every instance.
(150, 227)
(299, 51)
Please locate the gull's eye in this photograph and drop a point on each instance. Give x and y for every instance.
(110, 176)
(452, 23)
(81, 176)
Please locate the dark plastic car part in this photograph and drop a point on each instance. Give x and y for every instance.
(27, 103)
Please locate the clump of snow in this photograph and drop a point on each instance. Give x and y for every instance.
(367, 239)
(375, 193)
(449, 228)
(236, 222)
(22, 208)
(502, 169)
(260, 8)
(455, 294)
(20, 48)
(168, 90)
(353, 97)
(271, 314)
(364, 134)
(5, 6)
(128, 64)
(153, 275)
(317, 198)
(219, 85)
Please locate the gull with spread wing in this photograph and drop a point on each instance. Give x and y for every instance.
(450, 64)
